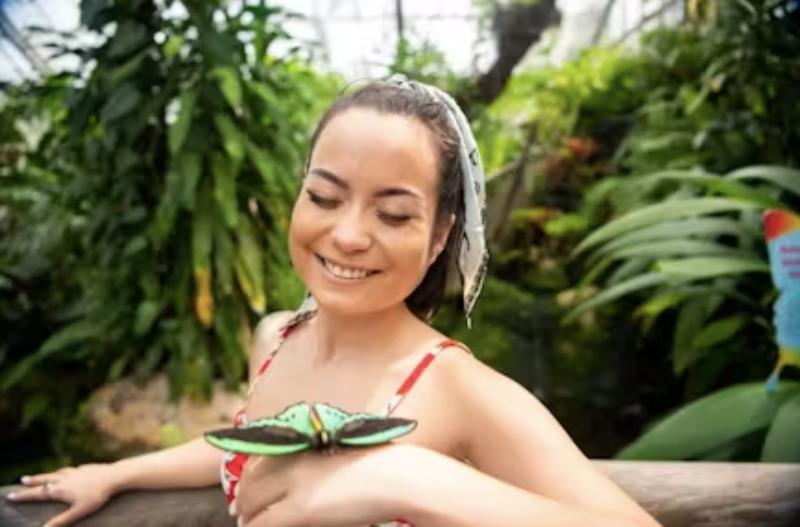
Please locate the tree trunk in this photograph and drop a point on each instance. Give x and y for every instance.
(517, 27)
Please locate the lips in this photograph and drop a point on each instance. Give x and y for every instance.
(345, 272)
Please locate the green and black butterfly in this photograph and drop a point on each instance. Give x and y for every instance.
(302, 427)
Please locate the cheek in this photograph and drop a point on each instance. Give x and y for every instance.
(302, 227)
(410, 249)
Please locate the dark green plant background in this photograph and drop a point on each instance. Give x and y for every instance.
(146, 199)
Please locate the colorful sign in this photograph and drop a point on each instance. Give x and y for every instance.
(782, 229)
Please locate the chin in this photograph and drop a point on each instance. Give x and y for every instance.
(345, 304)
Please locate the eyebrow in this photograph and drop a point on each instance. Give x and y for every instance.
(341, 183)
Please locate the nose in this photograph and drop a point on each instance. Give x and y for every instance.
(351, 232)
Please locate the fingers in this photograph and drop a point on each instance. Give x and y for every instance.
(68, 517)
(33, 494)
(249, 506)
(279, 514)
(255, 492)
(38, 479)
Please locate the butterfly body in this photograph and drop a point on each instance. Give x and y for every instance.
(301, 427)
(321, 438)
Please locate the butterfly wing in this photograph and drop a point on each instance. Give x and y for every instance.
(368, 429)
(296, 416)
(262, 440)
(286, 433)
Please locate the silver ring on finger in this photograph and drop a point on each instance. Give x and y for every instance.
(46, 488)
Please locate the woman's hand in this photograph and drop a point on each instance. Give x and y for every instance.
(357, 487)
(86, 488)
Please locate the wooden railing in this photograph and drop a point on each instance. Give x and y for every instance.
(677, 494)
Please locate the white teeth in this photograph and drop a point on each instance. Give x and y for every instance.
(344, 272)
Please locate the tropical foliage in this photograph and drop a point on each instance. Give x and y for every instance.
(687, 244)
(147, 214)
(630, 187)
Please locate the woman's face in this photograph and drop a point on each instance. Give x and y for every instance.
(362, 231)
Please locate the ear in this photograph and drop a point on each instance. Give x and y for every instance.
(440, 239)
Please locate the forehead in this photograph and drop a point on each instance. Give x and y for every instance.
(367, 147)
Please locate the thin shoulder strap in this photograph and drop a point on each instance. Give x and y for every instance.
(415, 374)
(283, 334)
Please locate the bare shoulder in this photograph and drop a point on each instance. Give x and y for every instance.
(472, 389)
(497, 405)
(509, 434)
(465, 376)
(265, 337)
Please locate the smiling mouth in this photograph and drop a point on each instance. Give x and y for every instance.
(348, 273)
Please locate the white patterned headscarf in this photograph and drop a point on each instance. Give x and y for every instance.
(473, 255)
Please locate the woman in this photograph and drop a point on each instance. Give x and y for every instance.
(393, 194)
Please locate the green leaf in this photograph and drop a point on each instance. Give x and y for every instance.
(225, 188)
(612, 293)
(702, 268)
(69, 335)
(660, 212)
(596, 269)
(782, 444)
(716, 183)
(223, 258)
(566, 225)
(678, 230)
(180, 128)
(249, 267)
(123, 100)
(173, 46)
(128, 37)
(129, 69)
(146, 314)
(202, 240)
(33, 407)
(229, 85)
(684, 247)
(202, 225)
(200, 371)
(691, 317)
(782, 177)
(117, 367)
(711, 422)
(659, 303)
(272, 103)
(265, 166)
(146, 363)
(136, 245)
(232, 352)
(232, 139)
(719, 331)
(189, 168)
(181, 180)
(629, 269)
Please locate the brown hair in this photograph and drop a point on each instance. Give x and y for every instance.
(392, 99)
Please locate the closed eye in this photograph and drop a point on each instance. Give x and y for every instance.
(394, 219)
(332, 203)
(325, 203)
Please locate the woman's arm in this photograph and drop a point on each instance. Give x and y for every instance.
(196, 463)
(527, 466)
(192, 464)
(453, 494)
(424, 487)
